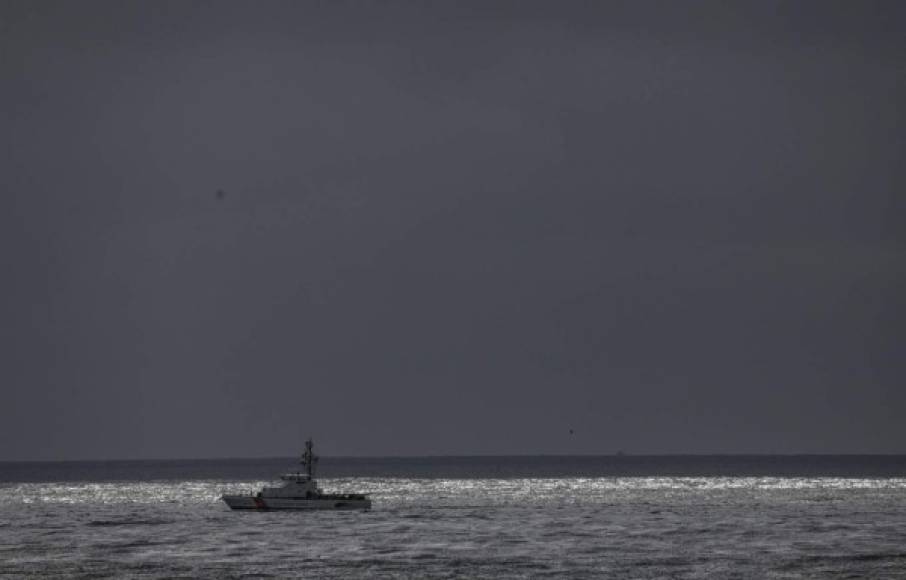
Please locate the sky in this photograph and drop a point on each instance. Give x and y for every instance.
(451, 228)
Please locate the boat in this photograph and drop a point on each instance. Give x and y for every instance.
(299, 491)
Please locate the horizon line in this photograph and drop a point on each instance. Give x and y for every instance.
(452, 456)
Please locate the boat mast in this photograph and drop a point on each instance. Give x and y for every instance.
(309, 459)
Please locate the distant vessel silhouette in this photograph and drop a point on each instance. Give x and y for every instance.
(299, 492)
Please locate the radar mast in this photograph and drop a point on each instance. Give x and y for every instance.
(309, 459)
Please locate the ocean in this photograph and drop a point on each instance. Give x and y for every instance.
(453, 517)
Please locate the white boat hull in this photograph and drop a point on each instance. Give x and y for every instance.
(299, 492)
(250, 502)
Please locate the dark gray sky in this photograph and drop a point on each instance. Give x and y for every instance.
(452, 228)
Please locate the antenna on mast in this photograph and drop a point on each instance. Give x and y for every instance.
(309, 459)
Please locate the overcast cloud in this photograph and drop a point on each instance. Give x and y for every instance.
(451, 228)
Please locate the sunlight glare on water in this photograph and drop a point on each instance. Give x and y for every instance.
(632, 527)
(395, 492)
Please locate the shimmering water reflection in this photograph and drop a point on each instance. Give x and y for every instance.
(620, 527)
(398, 492)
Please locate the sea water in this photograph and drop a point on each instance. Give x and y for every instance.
(616, 517)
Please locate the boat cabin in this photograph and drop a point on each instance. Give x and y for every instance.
(298, 485)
